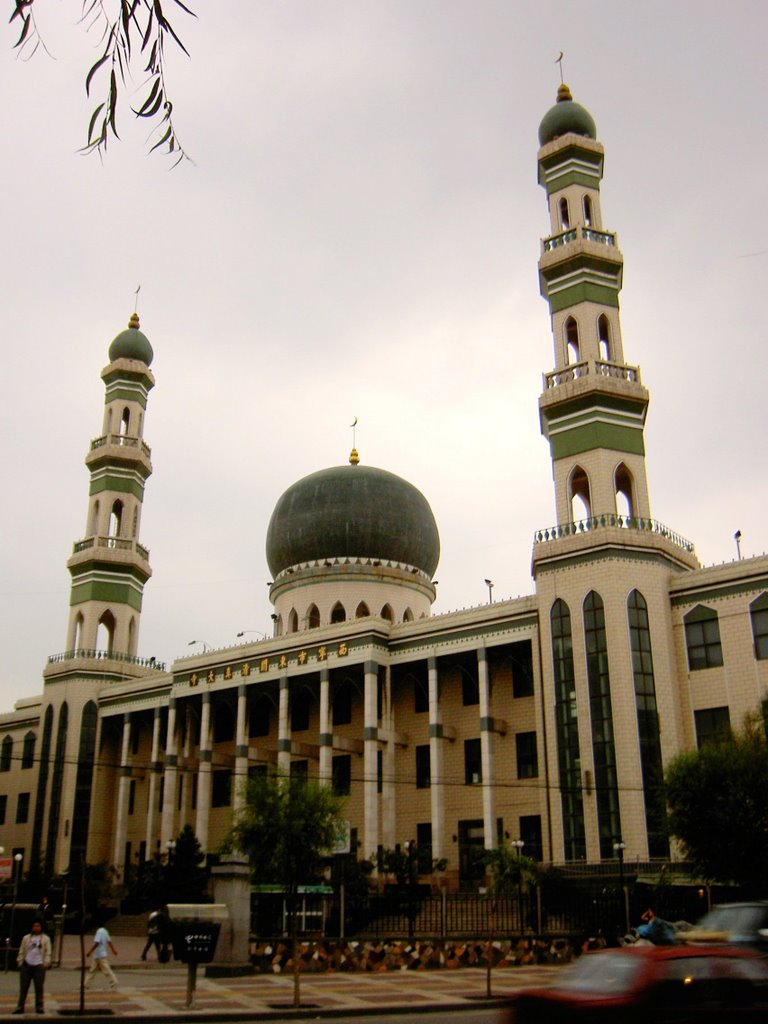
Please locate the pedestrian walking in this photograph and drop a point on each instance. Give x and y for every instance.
(102, 944)
(34, 959)
(155, 930)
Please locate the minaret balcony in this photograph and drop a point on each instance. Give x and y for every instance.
(592, 368)
(120, 448)
(114, 551)
(611, 530)
(578, 233)
(107, 666)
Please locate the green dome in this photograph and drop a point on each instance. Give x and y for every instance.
(353, 512)
(566, 116)
(131, 344)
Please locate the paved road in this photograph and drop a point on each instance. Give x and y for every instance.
(155, 992)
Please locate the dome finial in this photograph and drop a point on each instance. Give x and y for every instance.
(134, 321)
(563, 93)
(354, 458)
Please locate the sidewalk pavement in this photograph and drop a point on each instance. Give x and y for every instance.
(148, 991)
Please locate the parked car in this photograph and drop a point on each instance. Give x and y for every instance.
(658, 984)
(739, 923)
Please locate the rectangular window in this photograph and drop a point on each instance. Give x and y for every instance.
(760, 628)
(299, 711)
(22, 809)
(702, 638)
(257, 771)
(379, 771)
(423, 767)
(470, 688)
(3, 808)
(530, 833)
(420, 692)
(28, 751)
(221, 788)
(259, 718)
(341, 774)
(527, 755)
(342, 703)
(424, 848)
(131, 796)
(193, 794)
(299, 770)
(522, 669)
(180, 798)
(713, 725)
(161, 795)
(473, 772)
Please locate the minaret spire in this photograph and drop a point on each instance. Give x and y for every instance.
(109, 566)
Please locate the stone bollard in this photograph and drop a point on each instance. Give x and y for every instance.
(232, 885)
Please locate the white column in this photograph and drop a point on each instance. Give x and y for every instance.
(283, 731)
(204, 774)
(370, 749)
(388, 788)
(436, 741)
(486, 751)
(326, 733)
(121, 814)
(241, 749)
(155, 768)
(170, 777)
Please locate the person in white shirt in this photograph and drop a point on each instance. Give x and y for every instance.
(102, 944)
(33, 960)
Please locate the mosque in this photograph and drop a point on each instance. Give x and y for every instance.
(544, 721)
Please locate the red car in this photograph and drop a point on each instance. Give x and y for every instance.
(652, 984)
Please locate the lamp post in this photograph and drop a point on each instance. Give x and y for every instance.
(205, 644)
(619, 849)
(489, 584)
(518, 845)
(17, 859)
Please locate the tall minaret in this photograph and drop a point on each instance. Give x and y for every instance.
(593, 406)
(109, 566)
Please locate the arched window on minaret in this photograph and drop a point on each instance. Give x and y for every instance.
(94, 519)
(313, 617)
(625, 491)
(135, 525)
(578, 490)
(279, 625)
(116, 519)
(407, 615)
(565, 217)
(571, 331)
(108, 424)
(141, 424)
(387, 613)
(77, 638)
(293, 621)
(604, 337)
(105, 633)
(125, 422)
(362, 611)
(132, 635)
(587, 203)
(337, 613)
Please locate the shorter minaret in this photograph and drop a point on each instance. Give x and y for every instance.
(109, 566)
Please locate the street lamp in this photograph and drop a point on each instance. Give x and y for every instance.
(205, 644)
(619, 849)
(18, 858)
(258, 632)
(489, 584)
(518, 844)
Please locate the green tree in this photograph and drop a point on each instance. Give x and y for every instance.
(510, 873)
(718, 807)
(134, 34)
(287, 829)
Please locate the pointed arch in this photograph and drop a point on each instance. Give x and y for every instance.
(758, 613)
(387, 613)
(125, 422)
(587, 207)
(76, 640)
(105, 632)
(362, 611)
(108, 424)
(93, 532)
(578, 494)
(407, 615)
(6, 754)
(279, 625)
(565, 216)
(81, 808)
(313, 617)
(338, 614)
(132, 635)
(624, 487)
(604, 337)
(571, 335)
(116, 519)
(293, 621)
(28, 750)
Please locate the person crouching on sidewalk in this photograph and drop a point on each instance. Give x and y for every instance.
(102, 943)
(34, 958)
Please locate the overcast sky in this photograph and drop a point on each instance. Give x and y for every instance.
(359, 237)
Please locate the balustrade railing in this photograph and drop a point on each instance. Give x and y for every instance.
(591, 368)
(91, 654)
(122, 441)
(572, 234)
(611, 520)
(113, 543)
